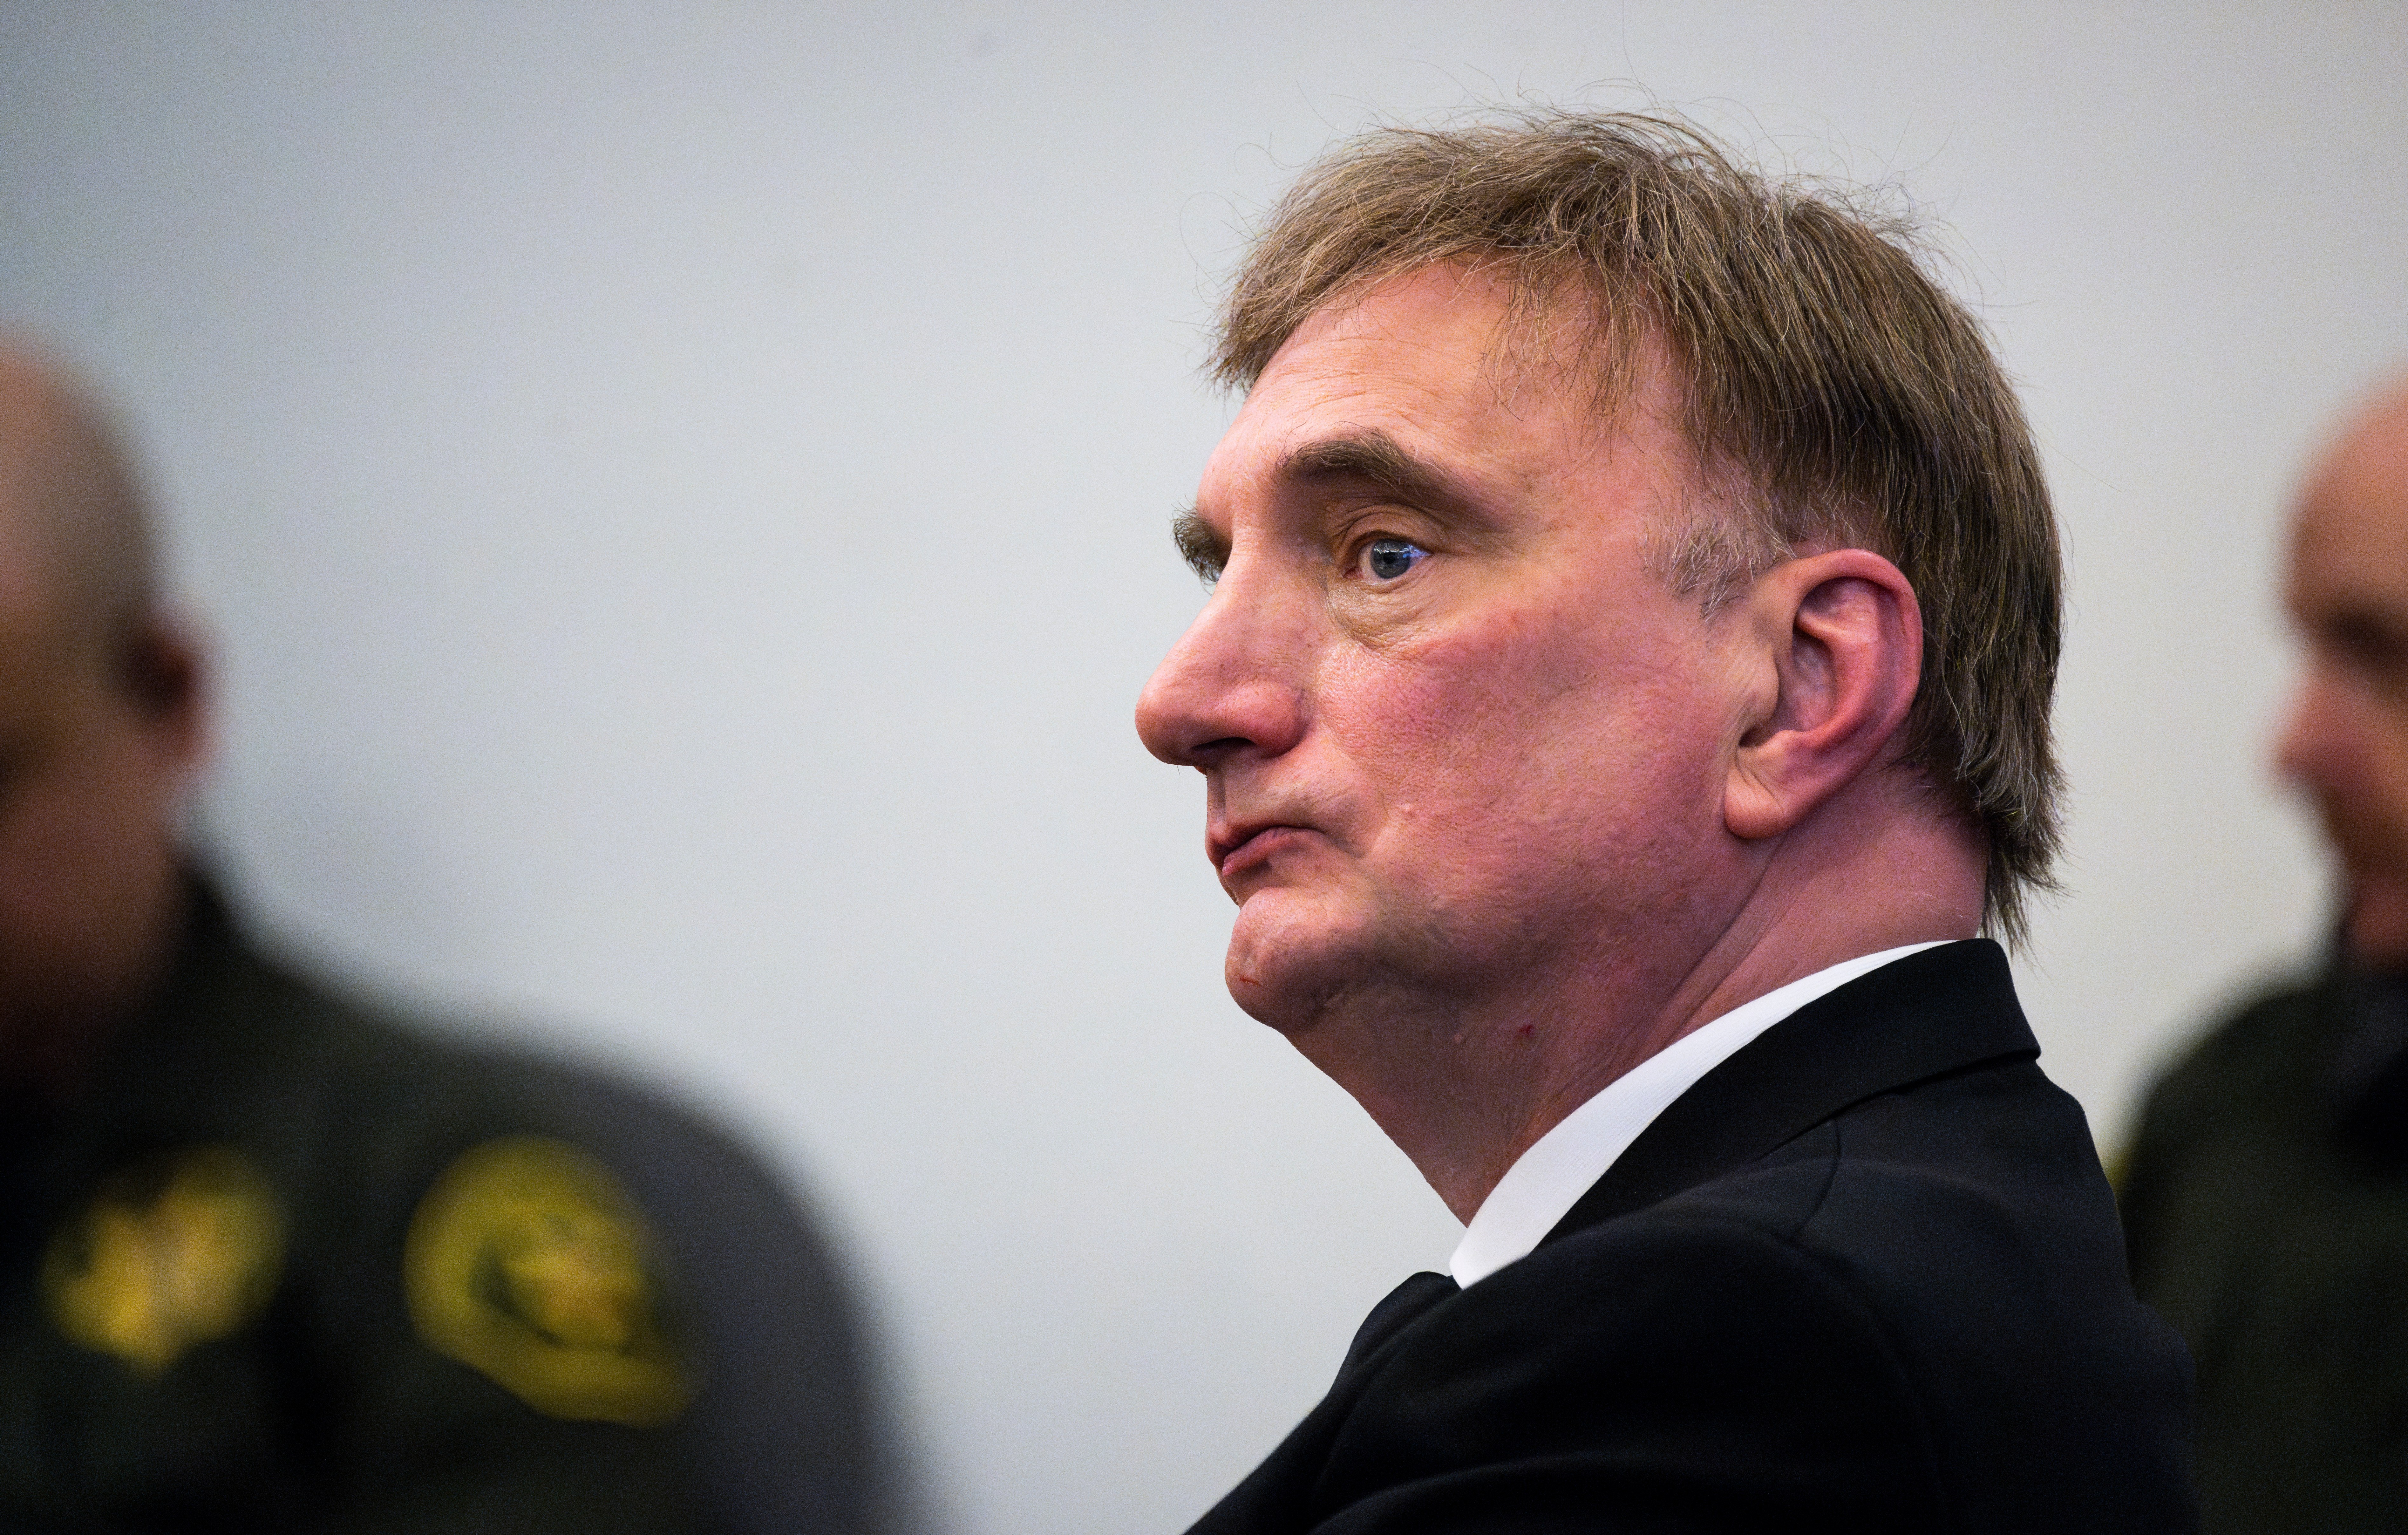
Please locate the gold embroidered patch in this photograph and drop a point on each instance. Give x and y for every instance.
(528, 1262)
(172, 1252)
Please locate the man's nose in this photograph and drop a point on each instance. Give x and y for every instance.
(1233, 684)
(2314, 746)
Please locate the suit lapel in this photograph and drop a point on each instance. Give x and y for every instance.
(1927, 1015)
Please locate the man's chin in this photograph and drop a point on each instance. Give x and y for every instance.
(2378, 923)
(1290, 961)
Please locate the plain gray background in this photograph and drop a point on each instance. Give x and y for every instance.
(683, 494)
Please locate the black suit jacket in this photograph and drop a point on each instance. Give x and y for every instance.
(1864, 1275)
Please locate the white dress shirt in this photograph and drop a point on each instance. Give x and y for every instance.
(1545, 1182)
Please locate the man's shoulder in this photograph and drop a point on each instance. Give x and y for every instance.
(376, 1065)
(1899, 1133)
(365, 1115)
(2243, 1139)
(1676, 1367)
(1864, 1275)
(1985, 1178)
(2235, 1114)
(1728, 1254)
(1947, 1253)
(414, 1153)
(1993, 1169)
(242, 1014)
(2266, 1045)
(1724, 1354)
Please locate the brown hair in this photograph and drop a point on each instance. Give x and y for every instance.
(1855, 402)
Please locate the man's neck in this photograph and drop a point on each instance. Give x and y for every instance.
(54, 1043)
(1465, 1086)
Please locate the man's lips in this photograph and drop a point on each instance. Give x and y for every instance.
(1245, 843)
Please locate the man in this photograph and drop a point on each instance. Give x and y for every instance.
(2266, 1197)
(269, 1262)
(1622, 692)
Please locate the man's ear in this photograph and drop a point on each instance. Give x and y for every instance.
(1840, 637)
(162, 666)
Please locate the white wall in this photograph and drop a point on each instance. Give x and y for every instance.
(682, 490)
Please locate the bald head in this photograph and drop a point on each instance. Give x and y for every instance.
(99, 731)
(2363, 474)
(2346, 740)
(75, 543)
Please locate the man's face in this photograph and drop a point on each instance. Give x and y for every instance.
(2346, 741)
(1456, 737)
(90, 777)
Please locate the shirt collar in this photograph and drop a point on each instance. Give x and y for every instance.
(1547, 1180)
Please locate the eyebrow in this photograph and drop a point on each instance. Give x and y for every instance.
(1377, 460)
(1372, 459)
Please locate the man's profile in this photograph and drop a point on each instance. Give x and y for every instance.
(1622, 699)
(271, 1259)
(2265, 1195)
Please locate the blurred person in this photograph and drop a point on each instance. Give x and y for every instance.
(2265, 1195)
(269, 1261)
(1622, 696)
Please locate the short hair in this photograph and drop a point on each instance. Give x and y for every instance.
(1847, 398)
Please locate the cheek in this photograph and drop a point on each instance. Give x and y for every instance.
(2386, 731)
(1498, 739)
(80, 838)
(57, 841)
(2350, 745)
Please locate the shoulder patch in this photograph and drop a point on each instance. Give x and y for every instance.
(173, 1252)
(527, 1262)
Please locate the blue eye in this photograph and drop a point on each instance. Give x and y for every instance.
(1385, 559)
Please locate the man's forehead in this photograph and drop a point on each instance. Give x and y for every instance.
(2358, 499)
(1442, 357)
(1480, 330)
